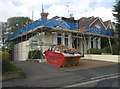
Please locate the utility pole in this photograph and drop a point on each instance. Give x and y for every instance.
(42, 9)
(32, 14)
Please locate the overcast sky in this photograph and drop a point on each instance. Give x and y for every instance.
(79, 8)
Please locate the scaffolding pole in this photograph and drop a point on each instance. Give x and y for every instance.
(110, 45)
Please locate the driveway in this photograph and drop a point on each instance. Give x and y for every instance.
(45, 75)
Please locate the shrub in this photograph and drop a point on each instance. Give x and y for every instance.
(5, 55)
(35, 54)
(95, 51)
(115, 51)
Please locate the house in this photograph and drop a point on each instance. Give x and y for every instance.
(109, 25)
(96, 25)
(44, 32)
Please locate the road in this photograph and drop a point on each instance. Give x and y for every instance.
(107, 81)
(44, 75)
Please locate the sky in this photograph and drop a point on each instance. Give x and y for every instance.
(63, 8)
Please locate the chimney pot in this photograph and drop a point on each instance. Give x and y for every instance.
(44, 15)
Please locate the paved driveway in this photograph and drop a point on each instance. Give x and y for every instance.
(45, 75)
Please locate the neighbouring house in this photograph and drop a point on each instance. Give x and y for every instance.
(96, 26)
(81, 34)
(109, 25)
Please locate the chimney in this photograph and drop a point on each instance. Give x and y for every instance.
(71, 17)
(44, 14)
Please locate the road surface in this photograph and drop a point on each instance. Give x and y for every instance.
(44, 75)
(104, 81)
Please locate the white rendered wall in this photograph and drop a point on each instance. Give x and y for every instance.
(21, 51)
(47, 39)
(109, 58)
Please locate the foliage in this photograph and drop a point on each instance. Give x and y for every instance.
(106, 50)
(5, 55)
(95, 51)
(35, 54)
(6, 66)
(15, 23)
(9, 69)
(114, 49)
(117, 16)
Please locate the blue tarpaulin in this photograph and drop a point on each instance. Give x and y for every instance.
(99, 31)
(55, 23)
(43, 22)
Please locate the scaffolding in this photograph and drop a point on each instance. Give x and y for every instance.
(49, 25)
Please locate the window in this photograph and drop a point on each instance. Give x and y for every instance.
(91, 42)
(66, 40)
(96, 42)
(97, 26)
(59, 39)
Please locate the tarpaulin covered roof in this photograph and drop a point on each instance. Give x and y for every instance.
(50, 23)
(44, 22)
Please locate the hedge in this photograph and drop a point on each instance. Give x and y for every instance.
(115, 50)
(107, 50)
(95, 51)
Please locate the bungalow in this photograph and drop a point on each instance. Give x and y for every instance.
(81, 34)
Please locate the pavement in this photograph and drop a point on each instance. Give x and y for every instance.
(45, 75)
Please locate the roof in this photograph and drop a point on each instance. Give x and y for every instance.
(106, 23)
(55, 17)
(86, 22)
(50, 23)
(56, 23)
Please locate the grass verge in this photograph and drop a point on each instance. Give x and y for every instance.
(10, 71)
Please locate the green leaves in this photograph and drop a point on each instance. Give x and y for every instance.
(117, 16)
(15, 23)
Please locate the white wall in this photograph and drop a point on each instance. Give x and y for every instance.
(48, 39)
(21, 51)
(110, 58)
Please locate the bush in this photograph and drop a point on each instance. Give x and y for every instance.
(5, 55)
(9, 71)
(35, 54)
(115, 51)
(95, 51)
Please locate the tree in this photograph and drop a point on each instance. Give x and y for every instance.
(15, 23)
(117, 16)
